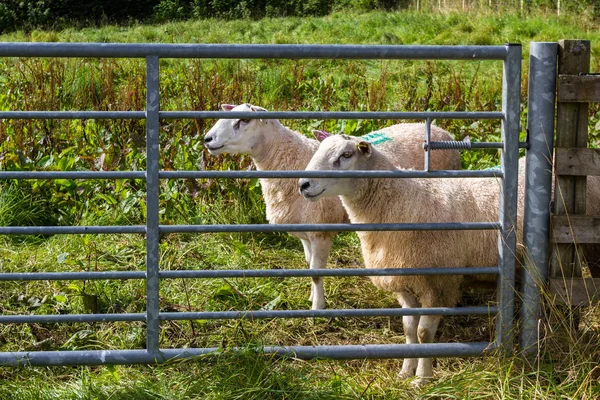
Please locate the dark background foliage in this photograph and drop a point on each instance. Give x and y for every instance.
(57, 14)
(17, 14)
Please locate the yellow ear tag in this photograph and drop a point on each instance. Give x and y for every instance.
(363, 147)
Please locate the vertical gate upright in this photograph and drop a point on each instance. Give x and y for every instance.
(538, 188)
(509, 54)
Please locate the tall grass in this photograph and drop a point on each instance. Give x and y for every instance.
(574, 7)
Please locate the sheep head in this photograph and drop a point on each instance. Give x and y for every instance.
(234, 136)
(336, 153)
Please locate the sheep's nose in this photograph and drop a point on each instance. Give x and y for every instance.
(304, 185)
(208, 139)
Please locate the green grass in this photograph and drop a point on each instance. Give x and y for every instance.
(398, 27)
(566, 369)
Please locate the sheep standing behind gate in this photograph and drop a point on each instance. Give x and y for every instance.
(381, 200)
(273, 146)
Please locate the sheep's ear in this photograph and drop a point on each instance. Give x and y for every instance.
(364, 148)
(320, 135)
(228, 107)
(257, 108)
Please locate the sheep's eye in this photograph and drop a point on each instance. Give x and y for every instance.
(237, 124)
(347, 154)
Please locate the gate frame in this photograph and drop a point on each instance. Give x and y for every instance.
(538, 188)
(510, 54)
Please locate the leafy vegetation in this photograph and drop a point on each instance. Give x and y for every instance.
(567, 367)
(89, 84)
(53, 14)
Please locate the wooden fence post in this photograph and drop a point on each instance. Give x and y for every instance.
(571, 131)
(575, 167)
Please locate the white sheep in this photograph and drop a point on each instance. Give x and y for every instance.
(273, 146)
(384, 200)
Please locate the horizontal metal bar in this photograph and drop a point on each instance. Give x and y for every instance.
(365, 312)
(382, 351)
(72, 175)
(331, 115)
(252, 115)
(491, 173)
(243, 273)
(281, 273)
(53, 318)
(66, 276)
(72, 114)
(482, 145)
(92, 230)
(271, 51)
(432, 226)
(341, 352)
(174, 316)
(71, 230)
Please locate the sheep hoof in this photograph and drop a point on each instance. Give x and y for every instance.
(420, 382)
(406, 374)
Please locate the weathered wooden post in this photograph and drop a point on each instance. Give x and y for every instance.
(571, 132)
(573, 163)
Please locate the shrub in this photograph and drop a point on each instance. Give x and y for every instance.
(29, 15)
(46, 14)
(168, 10)
(8, 18)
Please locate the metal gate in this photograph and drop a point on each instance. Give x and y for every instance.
(509, 54)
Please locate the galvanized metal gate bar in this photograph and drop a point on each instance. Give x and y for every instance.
(342, 352)
(244, 273)
(538, 184)
(507, 237)
(152, 216)
(250, 115)
(88, 230)
(261, 314)
(510, 54)
(491, 173)
(269, 51)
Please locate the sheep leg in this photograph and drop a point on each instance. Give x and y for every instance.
(428, 325)
(410, 323)
(319, 251)
(307, 253)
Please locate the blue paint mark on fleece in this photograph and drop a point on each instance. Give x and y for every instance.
(376, 138)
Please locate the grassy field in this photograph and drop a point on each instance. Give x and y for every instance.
(567, 367)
